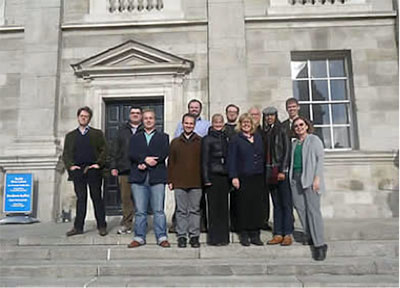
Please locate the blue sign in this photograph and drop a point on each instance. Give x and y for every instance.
(18, 192)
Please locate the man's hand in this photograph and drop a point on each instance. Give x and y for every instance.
(208, 184)
(151, 161)
(94, 166)
(236, 183)
(142, 166)
(114, 172)
(281, 176)
(170, 186)
(74, 167)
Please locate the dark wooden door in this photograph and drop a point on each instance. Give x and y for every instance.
(117, 113)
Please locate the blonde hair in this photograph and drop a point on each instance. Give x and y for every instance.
(217, 115)
(246, 116)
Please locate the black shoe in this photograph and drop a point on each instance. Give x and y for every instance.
(182, 242)
(103, 231)
(320, 252)
(194, 242)
(73, 232)
(256, 241)
(244, 239)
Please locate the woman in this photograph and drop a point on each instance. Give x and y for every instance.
(216, 182)
(246, 169)
(307, 183)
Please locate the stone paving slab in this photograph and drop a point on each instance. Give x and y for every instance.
(349, 281)
(191, 267)
(44, 282)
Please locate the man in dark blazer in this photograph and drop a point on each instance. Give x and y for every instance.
(121, 165)
(148, 151)
(84, 156)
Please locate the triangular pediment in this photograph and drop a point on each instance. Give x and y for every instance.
(132, 58)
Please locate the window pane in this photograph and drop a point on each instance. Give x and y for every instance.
(340, 114)
(305, 110)
(339, 90)
(319, 90)
(336, 68)
(320, 114)
(299, 69)
(325, 135)
(342, 137)
(318, 68)
(301, 91)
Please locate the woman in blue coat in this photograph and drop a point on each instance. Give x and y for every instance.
(246, 169)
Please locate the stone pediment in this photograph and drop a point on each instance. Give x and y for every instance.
(132, 58)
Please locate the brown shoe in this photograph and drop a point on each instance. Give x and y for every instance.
(276, 240)
(103, 231)
(134, 244)
(165, 244)
(73, 232)
(287, 240)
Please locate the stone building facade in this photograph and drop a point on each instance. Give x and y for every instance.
(338, 57)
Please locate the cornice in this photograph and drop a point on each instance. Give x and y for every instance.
(349, 158)
(12, 29)
(30, 163)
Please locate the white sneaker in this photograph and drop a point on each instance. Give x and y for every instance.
(124, 230)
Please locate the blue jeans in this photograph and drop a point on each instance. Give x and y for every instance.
(142, 195)
(282, 200)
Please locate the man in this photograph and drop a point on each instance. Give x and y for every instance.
(120, 165)
(148, 151)
(277, 166)
(202, 126)
(255, 114)
(184, 176)
(293, 108)
(232, 114)
(84, 156)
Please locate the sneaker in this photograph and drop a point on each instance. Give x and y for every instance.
(320, 252)
(124, 230)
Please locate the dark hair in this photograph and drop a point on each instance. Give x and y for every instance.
(291, 100)
(308, 123)
(232, 105)
(188, 115)
(87, 109)
(195, 100)
(136, 107)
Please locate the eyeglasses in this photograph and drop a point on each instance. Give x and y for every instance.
(299, 125)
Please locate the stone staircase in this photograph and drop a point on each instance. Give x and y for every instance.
(361, 253)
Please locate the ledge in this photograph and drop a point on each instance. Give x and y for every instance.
(129, 24)
(11, 29)
(322, 17)
(359, 158)
(30, 163)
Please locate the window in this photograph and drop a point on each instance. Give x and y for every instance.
(321, 83)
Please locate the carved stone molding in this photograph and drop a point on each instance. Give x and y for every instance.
(132, 58)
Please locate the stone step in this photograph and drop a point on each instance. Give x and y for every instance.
(387, 248)
(196, 267)
(322, 280)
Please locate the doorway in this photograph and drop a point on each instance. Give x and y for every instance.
(116, 114)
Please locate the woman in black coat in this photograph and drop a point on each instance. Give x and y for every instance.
(216, 182)
(246, 169)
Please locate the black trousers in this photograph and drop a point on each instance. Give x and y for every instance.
(218, 210)
(93, 179)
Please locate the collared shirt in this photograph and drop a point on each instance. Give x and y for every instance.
(200, 129)
(149, 136)
(134, 128)
(85, 131)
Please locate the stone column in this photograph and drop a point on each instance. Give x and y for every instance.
(227, 54)
(36, 148)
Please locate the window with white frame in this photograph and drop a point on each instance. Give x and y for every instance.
(322, 85)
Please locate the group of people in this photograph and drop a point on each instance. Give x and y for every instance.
(222, 172)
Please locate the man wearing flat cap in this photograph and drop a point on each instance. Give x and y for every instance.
(277, 166)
